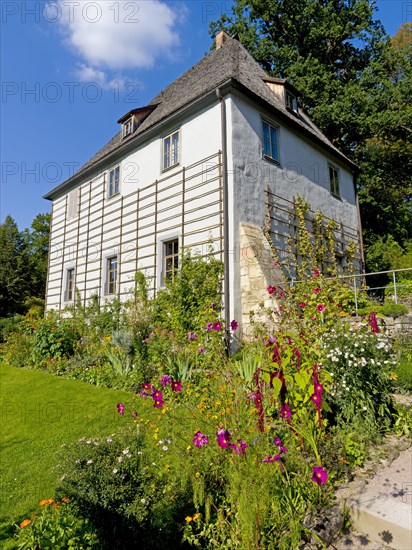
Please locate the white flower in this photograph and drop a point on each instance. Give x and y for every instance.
(143, 500)
(125, 452)
(90, 461)
(129, 455)
(115, 470)
(161, 442)
(119, 459)
(139, 452)
(109, 440)
(88, 442)
(165, 448)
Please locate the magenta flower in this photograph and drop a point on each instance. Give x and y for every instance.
(275, 264)
(281, 294)
(134, 415)
(317, 290)
(200, 440)
(120, 408)
(165, 380)
(239, 448)
(146, 386)
(285, 411)
(318, 388)
(217, 326)
(320, 476)
(316, 398)
(192, 336)
(278, 444)
(157, 395)
(210, 327)
(158, 404)
(321, 308)
(373, 323)
(223, 437)
(200, 350)
(316, 273)
(177, 386)
(234, 325)
(271, 458)
(302, 305)
(271, 289)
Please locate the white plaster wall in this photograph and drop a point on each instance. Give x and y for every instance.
(86, 241)
(302, 170)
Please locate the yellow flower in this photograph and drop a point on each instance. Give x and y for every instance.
(25, 523)
(342, 313)
(197, 474)
(393, 376)
(196, 517)
(188, 519)
(188, 448)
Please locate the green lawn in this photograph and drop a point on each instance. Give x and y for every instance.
(39, 413)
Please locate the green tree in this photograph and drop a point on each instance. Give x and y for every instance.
(14, 273)
(37, 243)
(356, 85)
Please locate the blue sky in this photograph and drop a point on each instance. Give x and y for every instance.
(71, 68)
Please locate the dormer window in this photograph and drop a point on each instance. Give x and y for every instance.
(291, 102)
(127, 127)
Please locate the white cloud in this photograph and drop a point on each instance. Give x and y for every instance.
(89, 74)
(119, 35)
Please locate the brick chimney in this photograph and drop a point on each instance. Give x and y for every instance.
(221, 38)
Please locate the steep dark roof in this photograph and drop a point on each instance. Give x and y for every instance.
(231, 61)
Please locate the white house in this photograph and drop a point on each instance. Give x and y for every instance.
(214, 156)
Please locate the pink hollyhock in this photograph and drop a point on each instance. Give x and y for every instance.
(373, 323)
(285, 411)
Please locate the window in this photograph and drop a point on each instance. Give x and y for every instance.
(111, 275)
(114, 178)
(127, 127)
(270, 141)
(170, 259)
(171, 150)
(69, 293)
(334, 180)
(291, 102)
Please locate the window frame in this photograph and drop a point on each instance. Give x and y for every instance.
(116, 191)
(174, 256)
(69, 287)
(127, 124)
(294, 102)
(276, 127)
(109, 270)
(164, 138)
(333, 188)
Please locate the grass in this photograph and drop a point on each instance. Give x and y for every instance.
(39, 414)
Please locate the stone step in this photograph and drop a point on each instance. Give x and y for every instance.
(383, 520)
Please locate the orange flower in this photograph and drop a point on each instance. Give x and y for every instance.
(65, 499)
(25, 523)
(43, 502)
(393, 376)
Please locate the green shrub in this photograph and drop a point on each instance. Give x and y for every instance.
(127, 497)
(360, 363)
(393, 310)
(55, 526)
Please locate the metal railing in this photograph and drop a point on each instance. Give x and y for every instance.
(361, 286)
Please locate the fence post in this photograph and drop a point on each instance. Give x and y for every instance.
(394, 287)
(356, 295)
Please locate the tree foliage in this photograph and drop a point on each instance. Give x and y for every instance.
(356, 84)
(23, 263)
